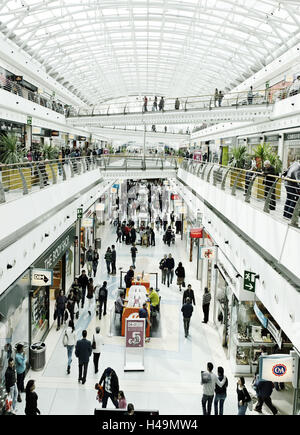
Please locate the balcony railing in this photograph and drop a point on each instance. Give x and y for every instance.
(276, 195)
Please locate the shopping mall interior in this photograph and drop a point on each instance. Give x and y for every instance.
(155, 146)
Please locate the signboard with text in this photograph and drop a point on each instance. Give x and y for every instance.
(134, 344)
(277, 368)
(41, 277)
(249, 281)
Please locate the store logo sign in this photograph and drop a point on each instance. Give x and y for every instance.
(279, 370)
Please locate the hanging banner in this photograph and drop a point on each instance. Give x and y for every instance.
(277, 368)
(196, 233)
(134, 344)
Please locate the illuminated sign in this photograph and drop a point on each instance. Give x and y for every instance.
(54, 133)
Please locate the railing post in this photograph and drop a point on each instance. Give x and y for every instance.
(237, 178)
(25, 188)
(224, 179)
(54, 179)
(87, 162)
(249, 190)
(208, 175)
(202, 175)
(2, 193)
(71, 168)
(268, 197)
(41, 180)
(295, 215)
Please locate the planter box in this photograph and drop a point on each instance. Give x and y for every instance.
(258, 189)
(234, 173)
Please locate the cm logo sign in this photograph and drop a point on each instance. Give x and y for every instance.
(279, 369)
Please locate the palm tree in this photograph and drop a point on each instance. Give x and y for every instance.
(50, 152)
(239, 155)
(265, 152)
(9, 150)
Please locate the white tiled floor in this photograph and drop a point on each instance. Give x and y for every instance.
(171, 380)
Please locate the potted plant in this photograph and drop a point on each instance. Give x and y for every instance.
(10, 154)
(262, 153)
(239, 156)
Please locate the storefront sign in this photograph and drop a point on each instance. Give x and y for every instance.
(196, 233)
(54, 133)
(87, 223)
(57, 250)
(18, 78)
(174, 196)
(292, 136)
(263, 320)
(81, 138)
(249, 281)
(36, 130)
(41, 277)
(277, 368)
(208, 253)
(79, 213)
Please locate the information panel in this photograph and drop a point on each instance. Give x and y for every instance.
(134, 345)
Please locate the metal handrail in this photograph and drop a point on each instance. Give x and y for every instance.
(268, 194)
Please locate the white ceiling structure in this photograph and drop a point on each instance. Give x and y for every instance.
(107, 49)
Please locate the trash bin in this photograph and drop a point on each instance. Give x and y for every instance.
(37, 356)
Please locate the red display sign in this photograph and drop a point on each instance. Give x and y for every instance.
(174, 196)
(196, 233)
(135, 333)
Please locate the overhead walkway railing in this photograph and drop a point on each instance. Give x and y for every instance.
(23, 178)
(183, 104)
(275, 195)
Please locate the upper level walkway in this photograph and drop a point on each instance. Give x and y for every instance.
(190, 110)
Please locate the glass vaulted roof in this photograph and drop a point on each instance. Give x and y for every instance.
(102, 50)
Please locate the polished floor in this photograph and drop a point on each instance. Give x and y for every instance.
(171, 380)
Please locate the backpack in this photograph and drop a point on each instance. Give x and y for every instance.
(102, 293)
(205, 377)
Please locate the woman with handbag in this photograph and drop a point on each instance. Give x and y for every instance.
(243, 396)
(180, 273)
(69, 341)
(90, 294)
(96, 346)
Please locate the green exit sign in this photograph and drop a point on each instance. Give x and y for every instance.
(79, 213)
(29, 120)
(249, 281)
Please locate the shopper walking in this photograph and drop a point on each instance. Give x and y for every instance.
(133, 234)
(97, 344)
(168, 236)
(11, 383)
(180, 273)
(133, 251)
(164, 269)
(161, 104)
(264, 390)
(292, 189)
(188, 293)
(90, 295)
(83, 282)
(95, 262)
(154, 106)
(31, 399)
(220, 395)
(69, 341)
(20, 364)
(108, 259)
(250, 95)
(220, 98)
(152, 237)
(209, 381)
(129, 276)
(145, 109)
(243, 396)
(83, 352)
(187, 311)
(119, 234)
(110, 382)
(205, 304)
(71, 304)
(177, 104)
(89, 260)
(60, 306)
(113, 260)
(216, 96)
(269, 180)
(170, 264)
(103, 292)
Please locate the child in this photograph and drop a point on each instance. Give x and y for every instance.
(122, 400)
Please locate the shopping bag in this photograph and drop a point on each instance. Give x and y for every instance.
(8, 403)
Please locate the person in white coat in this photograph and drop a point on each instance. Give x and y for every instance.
(97, 343)
(69, 341)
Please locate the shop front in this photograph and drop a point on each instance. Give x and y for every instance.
(11, 127)
(225, 149)
(291, 148)
(60, 259)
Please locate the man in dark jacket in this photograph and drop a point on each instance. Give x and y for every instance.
(111, 387)
(187, 311)
(103, 299)
(11, 383)
(129, 276)
(170, 264)
(188, 293)
(264, 390)
(83, 282)
(83, 352)
(89, 255)
(113, 260)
